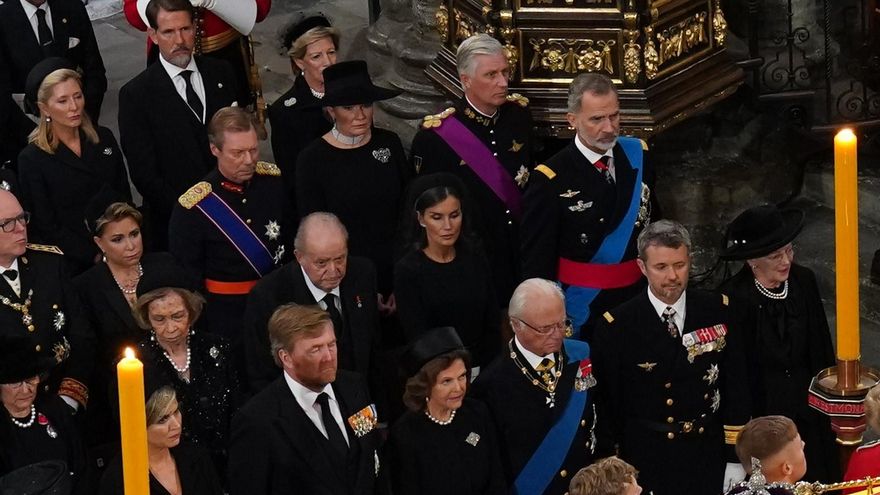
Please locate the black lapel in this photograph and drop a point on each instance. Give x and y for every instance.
(87, 150)
(352, 316)
(114, 298)
(60, 29)
(214, 92)
(167, 95)
(19, 27)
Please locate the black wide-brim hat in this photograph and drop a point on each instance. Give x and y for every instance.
(41, 478)
(433, 343)
(759, 231)
(300, 28)
(349, 83)
(36, 76)
(19, 359)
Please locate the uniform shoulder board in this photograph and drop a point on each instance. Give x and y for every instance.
(266, 168)
(725, 300)
(608, 317)
(544, 169)
(518, 99)
(195, 194)
(436, 120)
(644, 145)
(46, 248)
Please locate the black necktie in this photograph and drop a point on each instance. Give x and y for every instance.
(329, 300)
(334, 434)
(10, 274)
(191, 97)
(43, 30)
(343, 340)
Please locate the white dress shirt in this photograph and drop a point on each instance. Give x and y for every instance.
(679, 307)
(319, 293)
(174, 72)
(533, 359)
(14, 284)
(594, 157)
(31, 12)
(306, 399)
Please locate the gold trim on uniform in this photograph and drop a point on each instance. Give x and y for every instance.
(518, 99)
(725, 300)
(544, 169)
(195, 194)
(608, 317)
(731, 433)
(46, 248)
(75, 390)
(266, 168)
(436, 119)
(218, 41)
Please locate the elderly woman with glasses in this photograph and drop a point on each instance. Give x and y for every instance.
(786, 334)
(34, 428)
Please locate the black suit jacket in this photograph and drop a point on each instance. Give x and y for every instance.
(287, 285)
(165, 143)
(20, 50)
(275, 448)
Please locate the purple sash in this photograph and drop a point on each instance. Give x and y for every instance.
(487, 167)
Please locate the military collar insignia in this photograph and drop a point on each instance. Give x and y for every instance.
(705, 340)
(647, 366)
(480, 118)
(108, 151)
(5, 186)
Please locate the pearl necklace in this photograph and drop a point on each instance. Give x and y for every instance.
(772, 295)
(133, 288)
(34, 416)
(347, 140)
(432, 418)
(180, 371)
(316, 94)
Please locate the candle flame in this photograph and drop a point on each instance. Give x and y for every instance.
(129, 353)
(846, 134)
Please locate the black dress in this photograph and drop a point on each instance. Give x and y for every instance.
(459, 294)
(20, 447)
(212, 396)
(787, 342)
(363, 187)
(194, 468)
(460, 458)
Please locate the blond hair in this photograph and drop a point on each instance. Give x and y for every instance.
(159, 404)
(605, 477)
(229, 119)
(116, 212)
(300, 45)
(290, 321)
(42, 137)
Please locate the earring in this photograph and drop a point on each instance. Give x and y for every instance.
(422, 224)
(427, 399)
(48, 119)
(103, 256)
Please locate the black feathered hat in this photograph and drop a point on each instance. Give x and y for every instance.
(759, 231)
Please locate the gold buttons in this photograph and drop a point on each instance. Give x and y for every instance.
(602, 220)
(248, 221)
(54, 306)
(701, 430)
(668, 402)
(705, 396)
(38, 348)
(563, 473)
(687, 427)
(670, 435)
(668, 385)
(31, 328)
(583, 422)
(670, 420)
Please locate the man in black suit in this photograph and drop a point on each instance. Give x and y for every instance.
(584, 208)
(540, 394)
(672, 375)
(164, 110)
(323, 271)
(313, 430)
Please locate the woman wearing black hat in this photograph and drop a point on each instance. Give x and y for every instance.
(67, 162)
(444, 279)
(446, 442)
(197, 364)
(35, 428)
(356, 171)
(787, 340)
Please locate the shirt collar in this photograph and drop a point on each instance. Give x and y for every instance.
(13, 266)
(468, 100)
(173, 70)
(30, 9)
(316, 291)
(305, 396)
(533, 359)
(660, 306)
(591, 155)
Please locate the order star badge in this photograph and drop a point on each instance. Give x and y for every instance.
(711, 374)
(273, 230)
(522, 176)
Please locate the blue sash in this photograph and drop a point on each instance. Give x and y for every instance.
(545, 461)
(578, 299)
(239, 233)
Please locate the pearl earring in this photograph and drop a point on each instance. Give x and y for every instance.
(48, 119)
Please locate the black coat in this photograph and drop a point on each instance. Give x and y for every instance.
(74, 39)
(509, 136)
(57, 188)
(197, 474)
(165, 144)
(522, 416)
(648, 387)
(277, 450)
(287, 285)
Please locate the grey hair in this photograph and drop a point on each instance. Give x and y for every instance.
(478, 44)
(530, 289)
(872, 408)
(319, 217)
(598, 84)
(666, 233)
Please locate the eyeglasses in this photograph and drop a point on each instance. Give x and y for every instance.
(32, 381)
(546, 330)
(9, 224)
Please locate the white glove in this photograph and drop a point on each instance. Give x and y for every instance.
(208, 4)
(70, 402)
(733, 474)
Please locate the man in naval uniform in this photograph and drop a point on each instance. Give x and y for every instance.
(36, 300)
(539, 393)
(674, 389)
(486, 141)
(584, 208)
(229, 229)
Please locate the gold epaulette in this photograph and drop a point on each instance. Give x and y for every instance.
(266, 168)
(544, 169)
(644, 144)
(518, 99)
(731, 433)
(437, 119)
(725, 300)
(608, 317)
(46, 248)
(195, 194)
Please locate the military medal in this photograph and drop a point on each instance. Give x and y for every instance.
(705, 340)
(278, 254)
(24, 308)
(584, 378)
(273, 230)
(711, 374)
(522, 176)
(58, 321)
(363, 421)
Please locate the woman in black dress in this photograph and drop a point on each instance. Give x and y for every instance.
(176, 466)
(786, 335)
(35, 428)
(444, 280)
(197, 364)
(446, 442)
(67, 162)
(356, 171)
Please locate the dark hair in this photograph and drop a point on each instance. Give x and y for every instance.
(116, 212)
(152, 10)
(415, 236)
(418, 387)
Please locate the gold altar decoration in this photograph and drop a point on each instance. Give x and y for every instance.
(667, 57)
(804, 488)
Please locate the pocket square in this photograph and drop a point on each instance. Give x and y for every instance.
(72, 42)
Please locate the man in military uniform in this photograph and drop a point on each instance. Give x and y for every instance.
(540, 394)
(486, 140)
(36, 300)
(229, 229)
(584, 208)
(673, 386)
